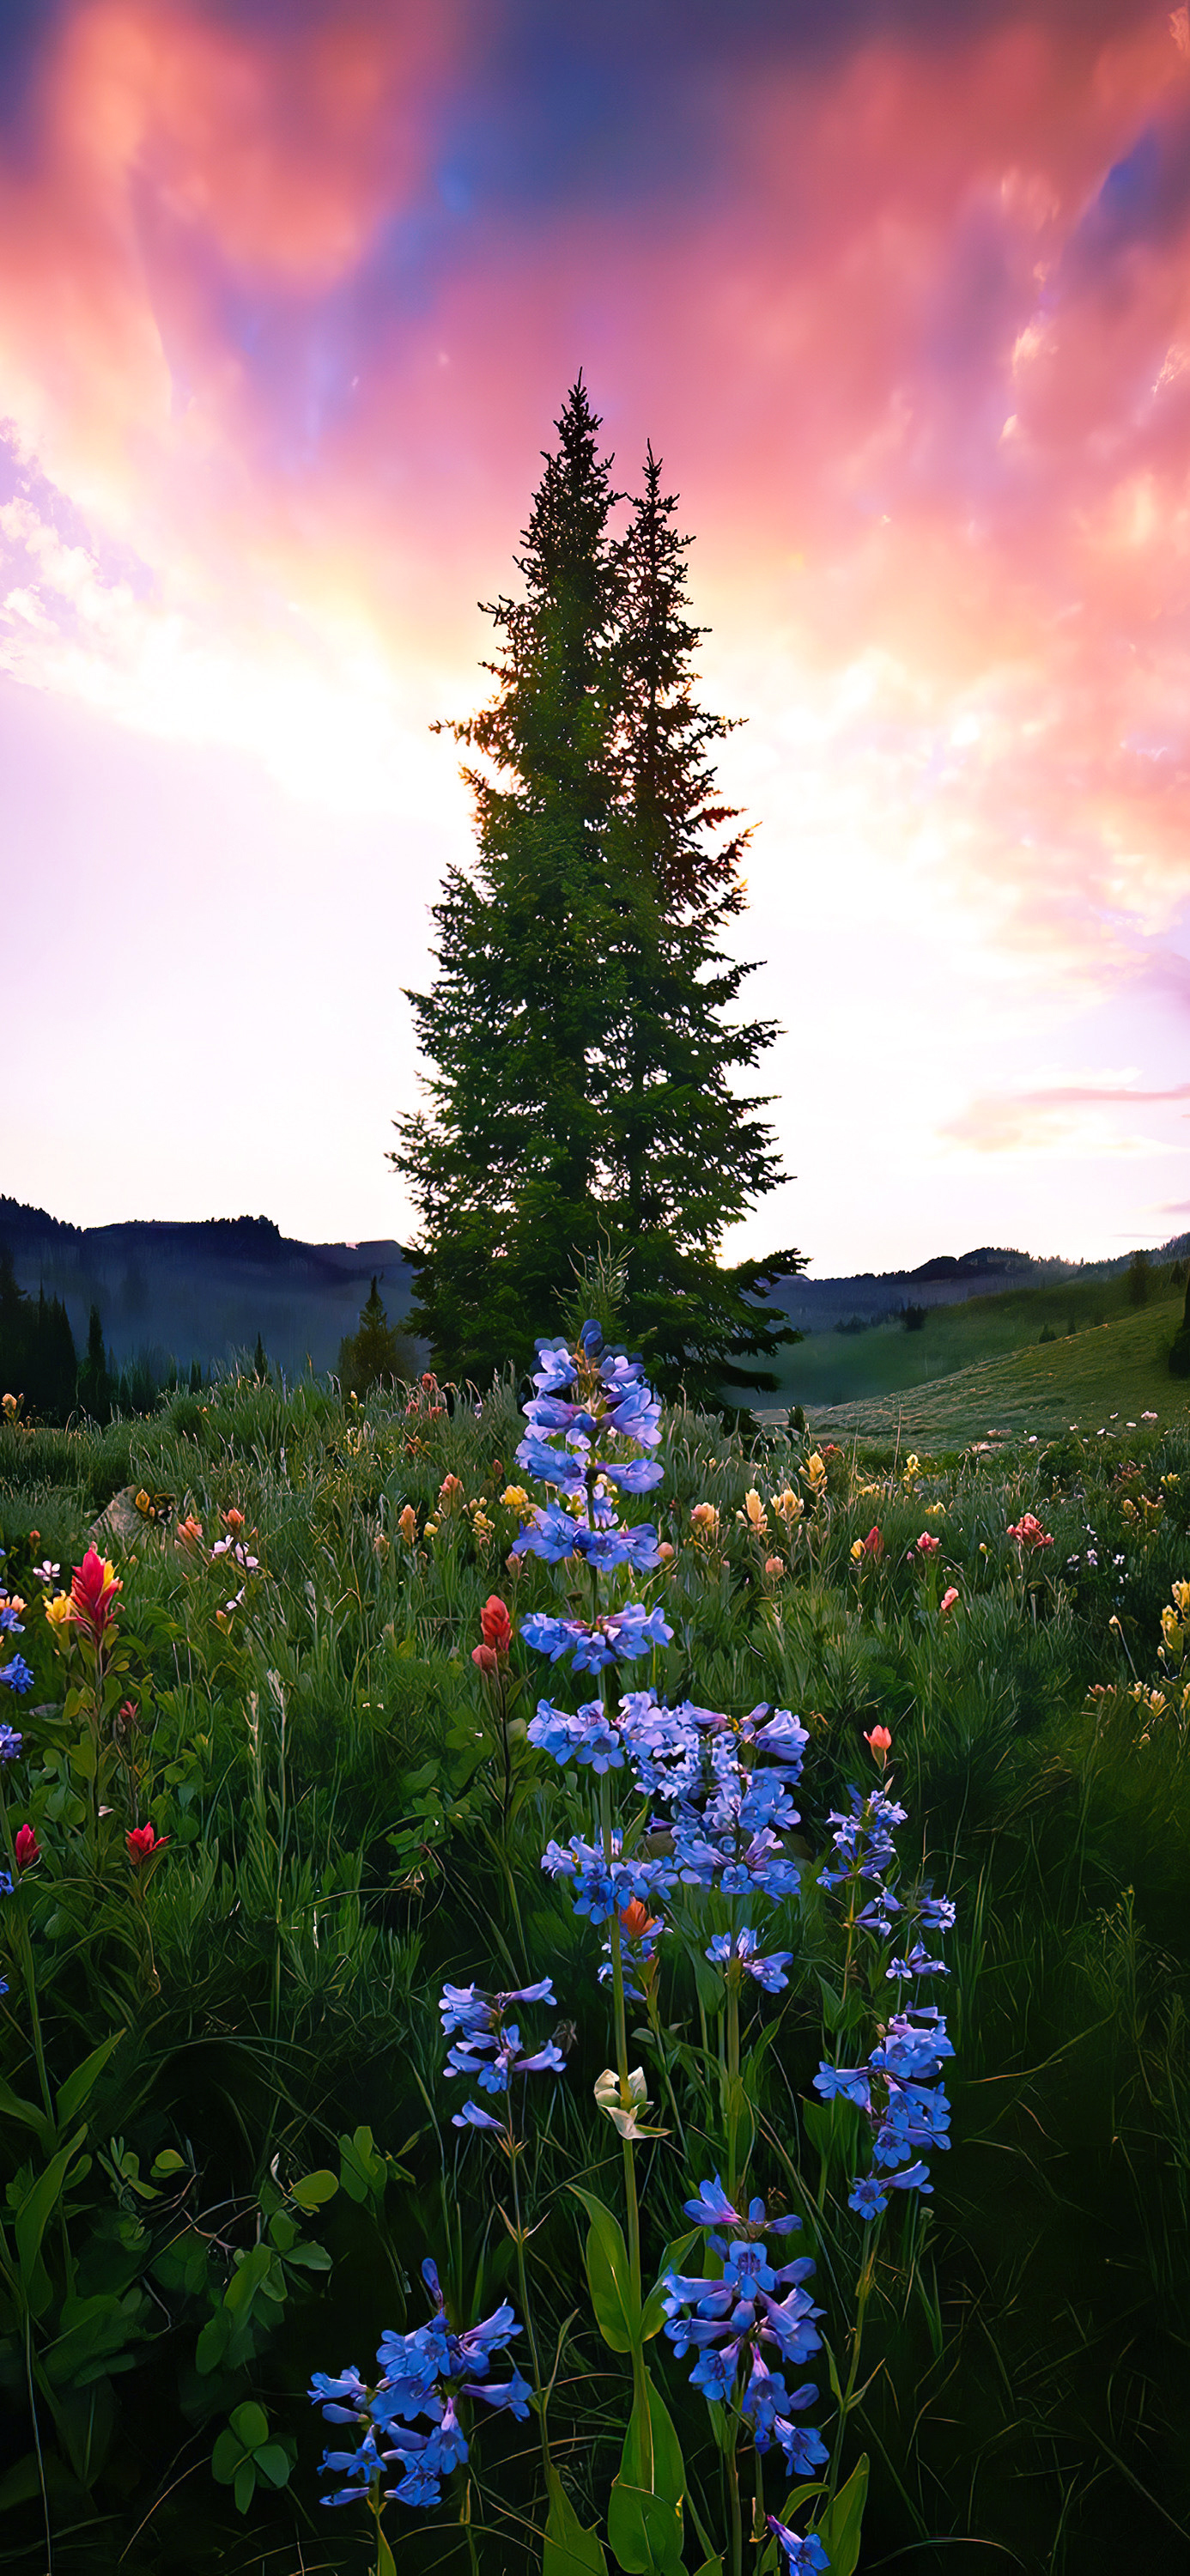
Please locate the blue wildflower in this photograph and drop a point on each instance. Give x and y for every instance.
(742, 1947)
(486, 2046)
(422, 2375)
(17, 1676)
(919, 1963)
(620, 1635)
(845, 2084)
(10, 1743)
(725, 2321)
(802, 2557)
(600, 1886)
(11, 1624)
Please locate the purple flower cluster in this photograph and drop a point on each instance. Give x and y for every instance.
(423, 2376)
(899, 2088)
(486, 2046)
(620, 1636)
(726, 2321)
(587, 1401)
(604, 1883)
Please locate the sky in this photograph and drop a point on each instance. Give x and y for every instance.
(900, 291)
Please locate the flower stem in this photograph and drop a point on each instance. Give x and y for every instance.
(862, 2295)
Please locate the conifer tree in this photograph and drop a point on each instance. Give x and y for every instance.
(375, 1351)
(579, 1092)
(690, 1154)
(95, 1387)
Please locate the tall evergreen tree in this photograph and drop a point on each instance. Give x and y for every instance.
(580, 1093)
(504, 1170)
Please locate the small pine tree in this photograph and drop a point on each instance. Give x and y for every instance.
(375, 1353)
(1138, 1279)
(260, 1364)
(95, 1390)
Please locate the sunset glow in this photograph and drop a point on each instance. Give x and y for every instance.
(902, 296)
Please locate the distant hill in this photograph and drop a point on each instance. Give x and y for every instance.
(818, 1305)
(181, 1292)
(204, 1291)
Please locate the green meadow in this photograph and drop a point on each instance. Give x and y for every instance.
(228, 2143)
(985, 1365)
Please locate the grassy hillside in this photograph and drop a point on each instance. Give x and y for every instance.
(1113, 1369)
(839, 1368)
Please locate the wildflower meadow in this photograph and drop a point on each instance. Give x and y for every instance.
(587, 1991)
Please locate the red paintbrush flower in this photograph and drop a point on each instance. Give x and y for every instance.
(143, 1843)
(93, 1590)
(26, 1848)
(495, 1624)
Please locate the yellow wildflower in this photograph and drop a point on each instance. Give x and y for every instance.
(857, 1549)
(59, 1612)
(407, 1525)
(704, 1521)
(754, 1516)
(788, 1507)
(517, 1501)
(814, 1472)
(1181, 1594)
(431, 1529)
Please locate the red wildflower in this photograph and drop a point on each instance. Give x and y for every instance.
(26, 1848)
(873, 1545)
(93, 1596)
(927, 1544)
(637, 1920)
(495, 1624)
(233, 1520)
(143, 1843)
(879, 1743)
(948, 1600)
(1029, 1533)
(486, 1657)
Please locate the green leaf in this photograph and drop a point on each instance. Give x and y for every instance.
(569, 2550)
(841, 2528)
(711, 2567)
(83, 1757)
(79, 2086)
(212, 2343)
(314, 2189)
(250, 2424)
(644, 2516)
(246, 2279)
(245, 2485)
(227, 2457)
(610, 2276)
(274, 2464)
(32, 2218)
(363, 2172)
(645, 2532)
(16, 2108)
(168, 2162)
(653, 2312)
(386, 2564)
